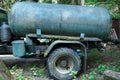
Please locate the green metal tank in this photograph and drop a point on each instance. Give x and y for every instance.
(56, 19)
(3, 18)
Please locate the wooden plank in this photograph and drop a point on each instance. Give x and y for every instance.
(4, 72)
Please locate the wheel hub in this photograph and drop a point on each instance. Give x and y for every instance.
(63, 63)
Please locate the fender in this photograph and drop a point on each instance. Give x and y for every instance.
(65, 42)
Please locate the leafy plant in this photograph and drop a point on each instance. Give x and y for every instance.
(19, 76)
(38, 71)
(73, 73)
(7, 4)
(18, 73)
(102, 68)
(96, 72)
(84, 77)
(35, 71)
(92, 75)
(89, 76)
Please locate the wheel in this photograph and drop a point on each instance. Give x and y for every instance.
(61, 62)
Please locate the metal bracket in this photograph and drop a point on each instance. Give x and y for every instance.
(82, 36)
(28, 41)
(38, 32)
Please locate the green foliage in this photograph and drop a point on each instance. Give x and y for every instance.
(95, 57)
(116, 16)
(17, 73)
(38, 71)
(6, 4)
(1, 78)
(19, 76)
(93, 75)
(118, 62)
(73, 73)
(90, 76)
(102, 68)
(64, 1)
(90, 0)
(112, 5)
(47, 1)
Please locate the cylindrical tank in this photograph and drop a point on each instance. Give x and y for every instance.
(5, 33)
(56, 19)
(3, 17)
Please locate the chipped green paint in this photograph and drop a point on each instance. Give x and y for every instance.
(56, 19)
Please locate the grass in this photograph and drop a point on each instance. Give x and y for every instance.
(38, 71)
(111, 54)
(30, 73)
(97, 73)
(99, 62)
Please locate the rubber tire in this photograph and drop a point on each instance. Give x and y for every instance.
(57, 53)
